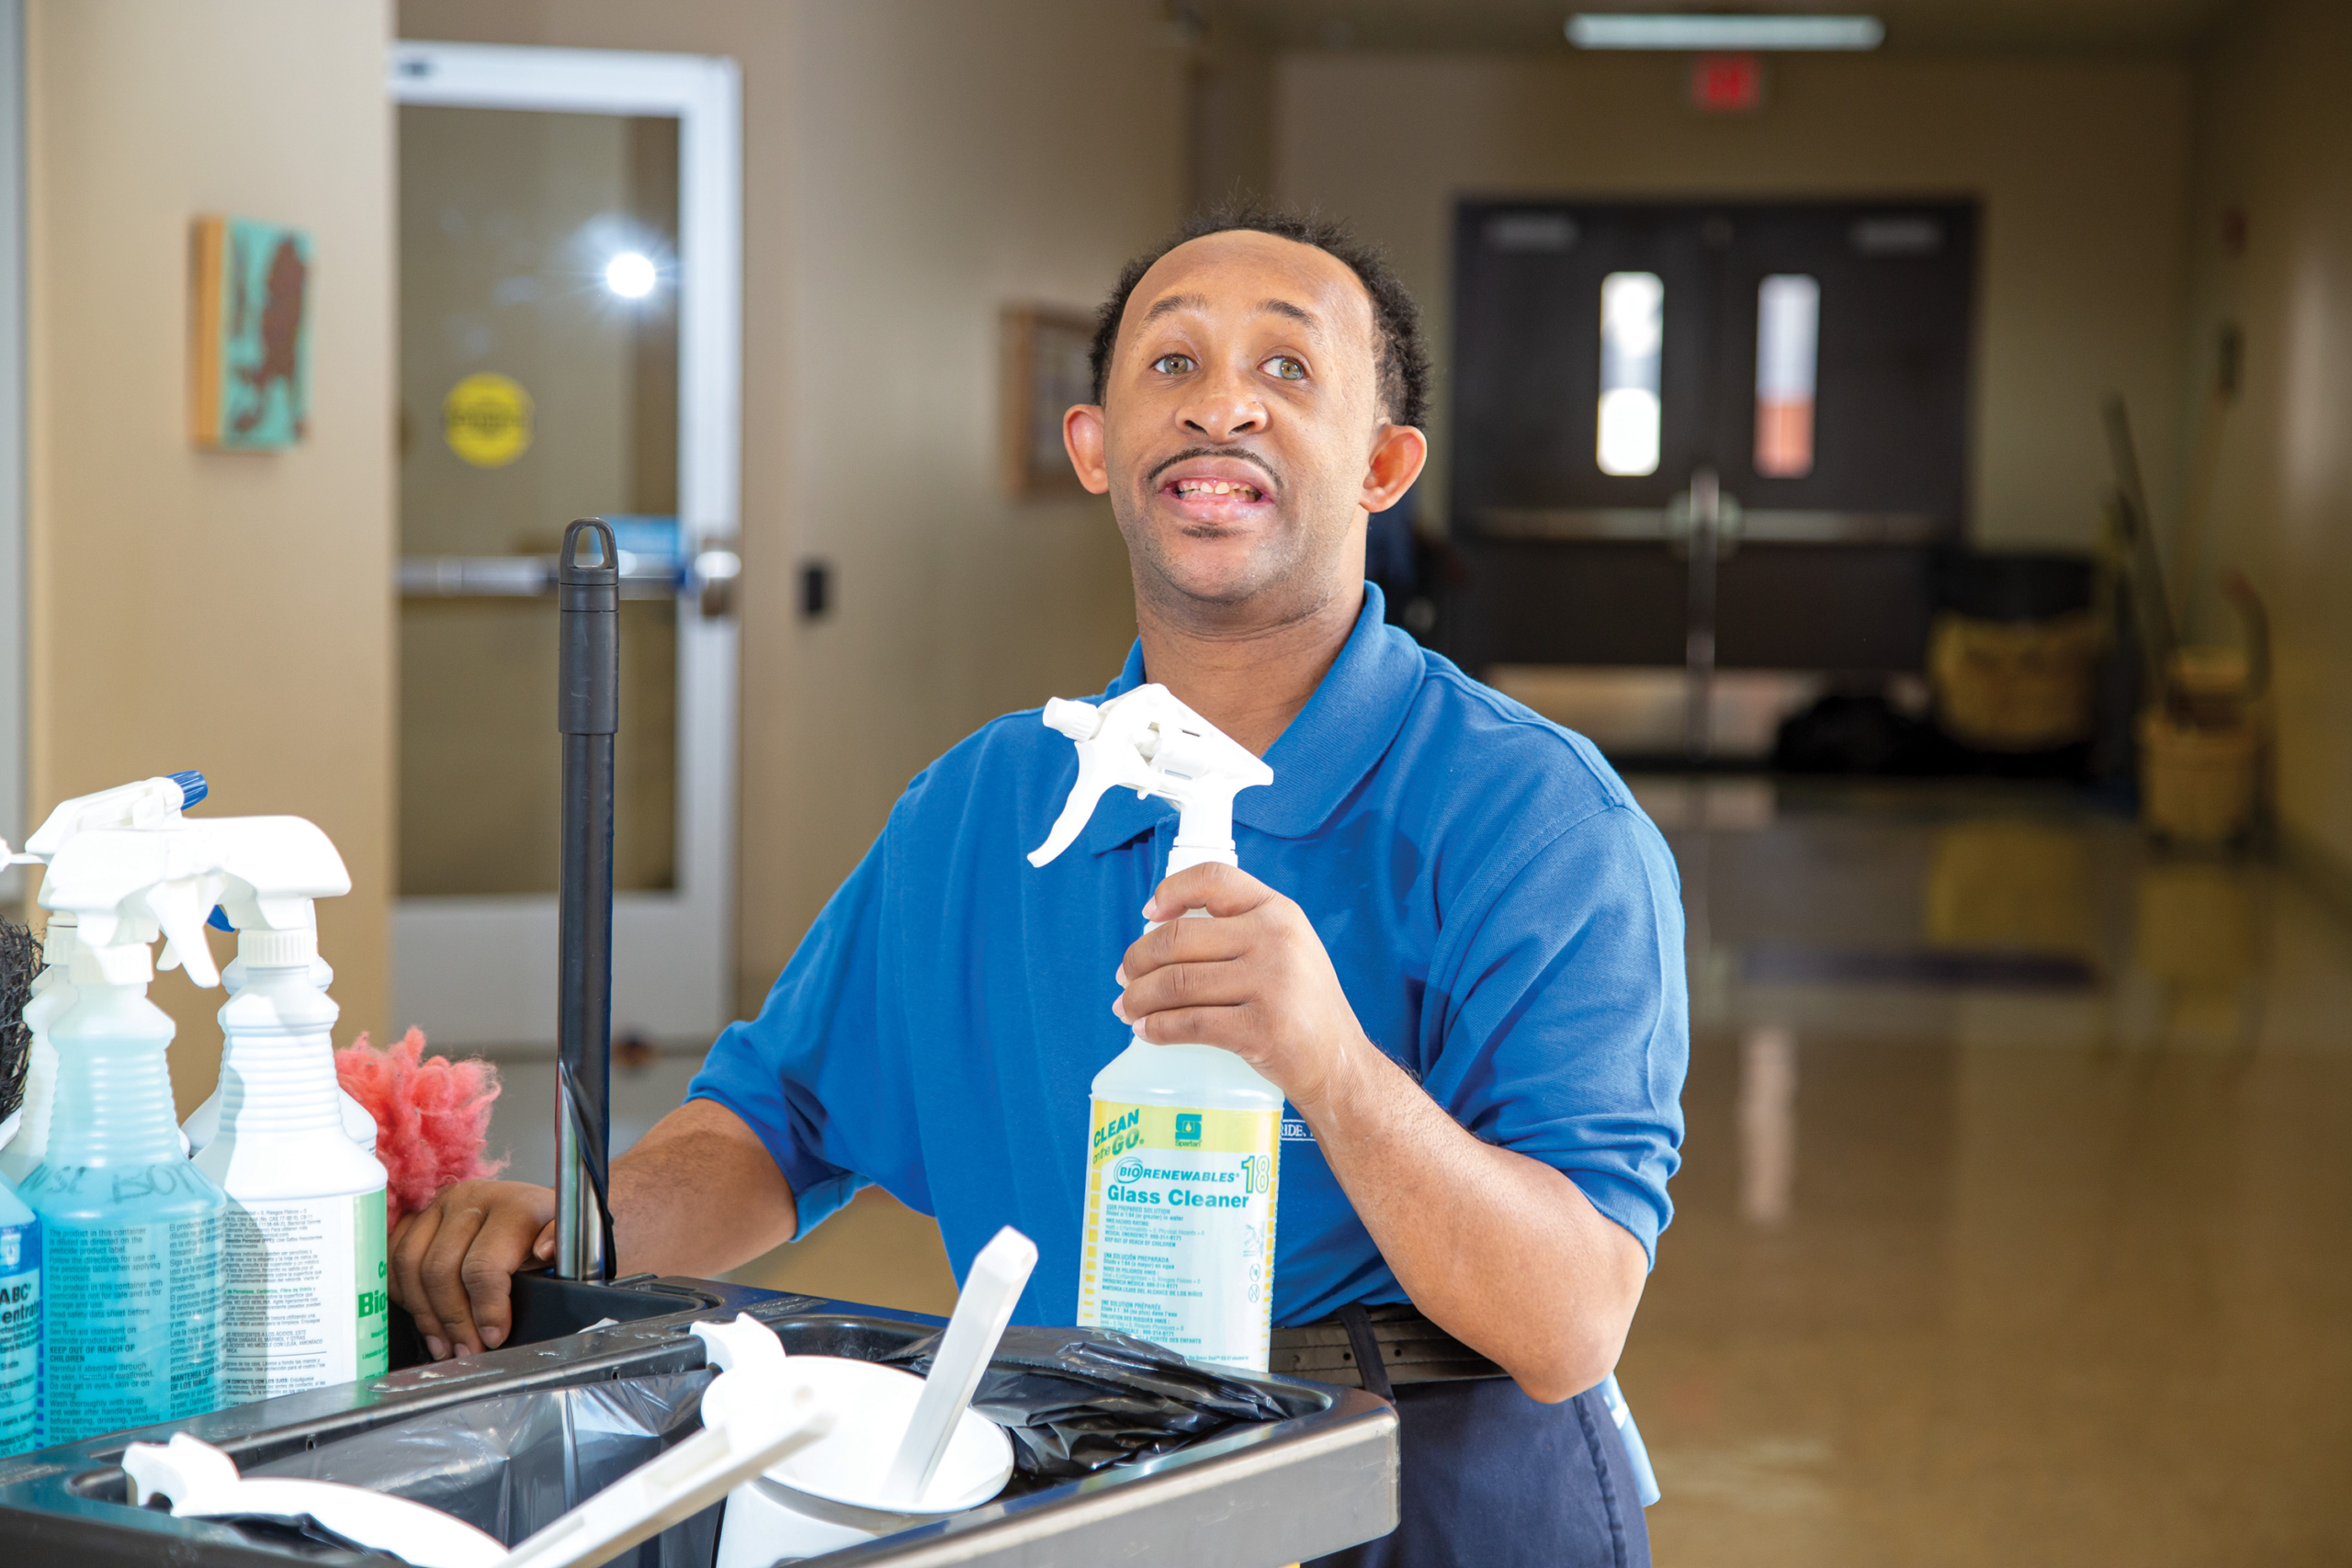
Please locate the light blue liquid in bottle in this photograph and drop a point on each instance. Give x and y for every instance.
(20, 1324)
(131, 1231)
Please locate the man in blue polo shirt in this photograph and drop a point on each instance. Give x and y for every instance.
(1454, 943)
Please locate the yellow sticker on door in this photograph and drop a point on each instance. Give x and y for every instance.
(487, 420)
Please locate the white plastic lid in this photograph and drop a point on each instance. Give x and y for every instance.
(263, 948)
(125, 963)
(871, 1406)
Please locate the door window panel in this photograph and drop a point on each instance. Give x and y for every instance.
(1788, 342)
(1633, 340)
(538, 383)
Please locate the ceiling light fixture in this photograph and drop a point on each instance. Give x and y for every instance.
(1658, 30)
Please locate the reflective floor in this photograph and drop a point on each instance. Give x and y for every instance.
(2014, 1225)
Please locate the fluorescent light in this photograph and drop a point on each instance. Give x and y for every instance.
(630, 274)
(1661, 31)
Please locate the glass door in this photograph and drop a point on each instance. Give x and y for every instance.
(568, 332)
(1693, 437)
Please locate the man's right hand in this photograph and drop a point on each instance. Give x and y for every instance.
(453, 1264)
(700, 1194)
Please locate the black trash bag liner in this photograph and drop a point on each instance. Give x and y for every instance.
(301, 1536)
(511, 1464)
(1077, 1400)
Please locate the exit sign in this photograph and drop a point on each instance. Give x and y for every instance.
(1726, 83)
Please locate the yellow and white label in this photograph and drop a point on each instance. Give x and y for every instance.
(1179, 1229)
(486, 419)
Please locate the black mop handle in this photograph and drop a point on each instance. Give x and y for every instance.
(588, 714)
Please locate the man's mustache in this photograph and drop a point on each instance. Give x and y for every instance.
(1234, 454)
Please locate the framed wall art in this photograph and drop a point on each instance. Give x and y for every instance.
(1046, 371)
(252, 358)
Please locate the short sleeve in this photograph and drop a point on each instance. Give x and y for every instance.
(1566, 1015)
(772, 1071)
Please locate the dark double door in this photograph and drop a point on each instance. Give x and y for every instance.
(1707, 435)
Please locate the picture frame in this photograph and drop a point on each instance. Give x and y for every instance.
(251, 327)
(1046, 370)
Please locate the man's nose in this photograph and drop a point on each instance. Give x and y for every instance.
(1223, 405)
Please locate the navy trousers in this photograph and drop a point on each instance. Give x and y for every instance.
(1491, 1478)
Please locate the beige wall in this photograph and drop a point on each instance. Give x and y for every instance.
(909, 166)
(2275, 145)
(2081, 165)
(228, 613)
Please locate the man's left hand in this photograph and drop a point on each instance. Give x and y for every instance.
(1254, 980)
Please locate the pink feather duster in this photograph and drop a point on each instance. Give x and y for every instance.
(432, 1117)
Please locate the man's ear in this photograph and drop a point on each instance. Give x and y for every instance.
(1082, 438)
(1396, 461)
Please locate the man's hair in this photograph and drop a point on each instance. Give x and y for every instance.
(1404, 359)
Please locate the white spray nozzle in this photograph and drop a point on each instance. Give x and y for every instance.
(146, 804)
(124, 885)
(982, 1309)
(1080, 721)
(1147, 742)
(271, 869)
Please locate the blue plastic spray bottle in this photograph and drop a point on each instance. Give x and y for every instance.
(130, 1230)
(19, 1323)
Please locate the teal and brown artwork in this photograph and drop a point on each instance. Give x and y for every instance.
(252, 334)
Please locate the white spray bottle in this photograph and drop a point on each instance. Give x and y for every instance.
(147, 803)
(203, 1123)
(303, 1291)
(1181, 1164)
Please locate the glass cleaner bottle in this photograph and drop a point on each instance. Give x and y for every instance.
(1184, 1141)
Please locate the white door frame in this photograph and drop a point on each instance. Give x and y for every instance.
(482, 971)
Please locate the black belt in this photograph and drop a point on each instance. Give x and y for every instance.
(1376, 1348)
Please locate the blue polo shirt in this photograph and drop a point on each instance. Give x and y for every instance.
(1506, 922)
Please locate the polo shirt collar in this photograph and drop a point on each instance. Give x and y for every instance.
(1337, 738)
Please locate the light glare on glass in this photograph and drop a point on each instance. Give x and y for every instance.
(630, 274)
(1788, 345)
(1632, 335)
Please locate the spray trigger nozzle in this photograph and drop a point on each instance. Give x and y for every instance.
(1147, 742)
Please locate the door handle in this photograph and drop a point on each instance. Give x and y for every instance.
(708, 577)
(1703, 524)
(715, 571)
(1705, 509)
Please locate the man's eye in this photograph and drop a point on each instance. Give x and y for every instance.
(1285, 367)
(1173, 364)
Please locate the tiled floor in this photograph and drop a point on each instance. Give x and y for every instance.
(2014, 1225)
(2041, 1272)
